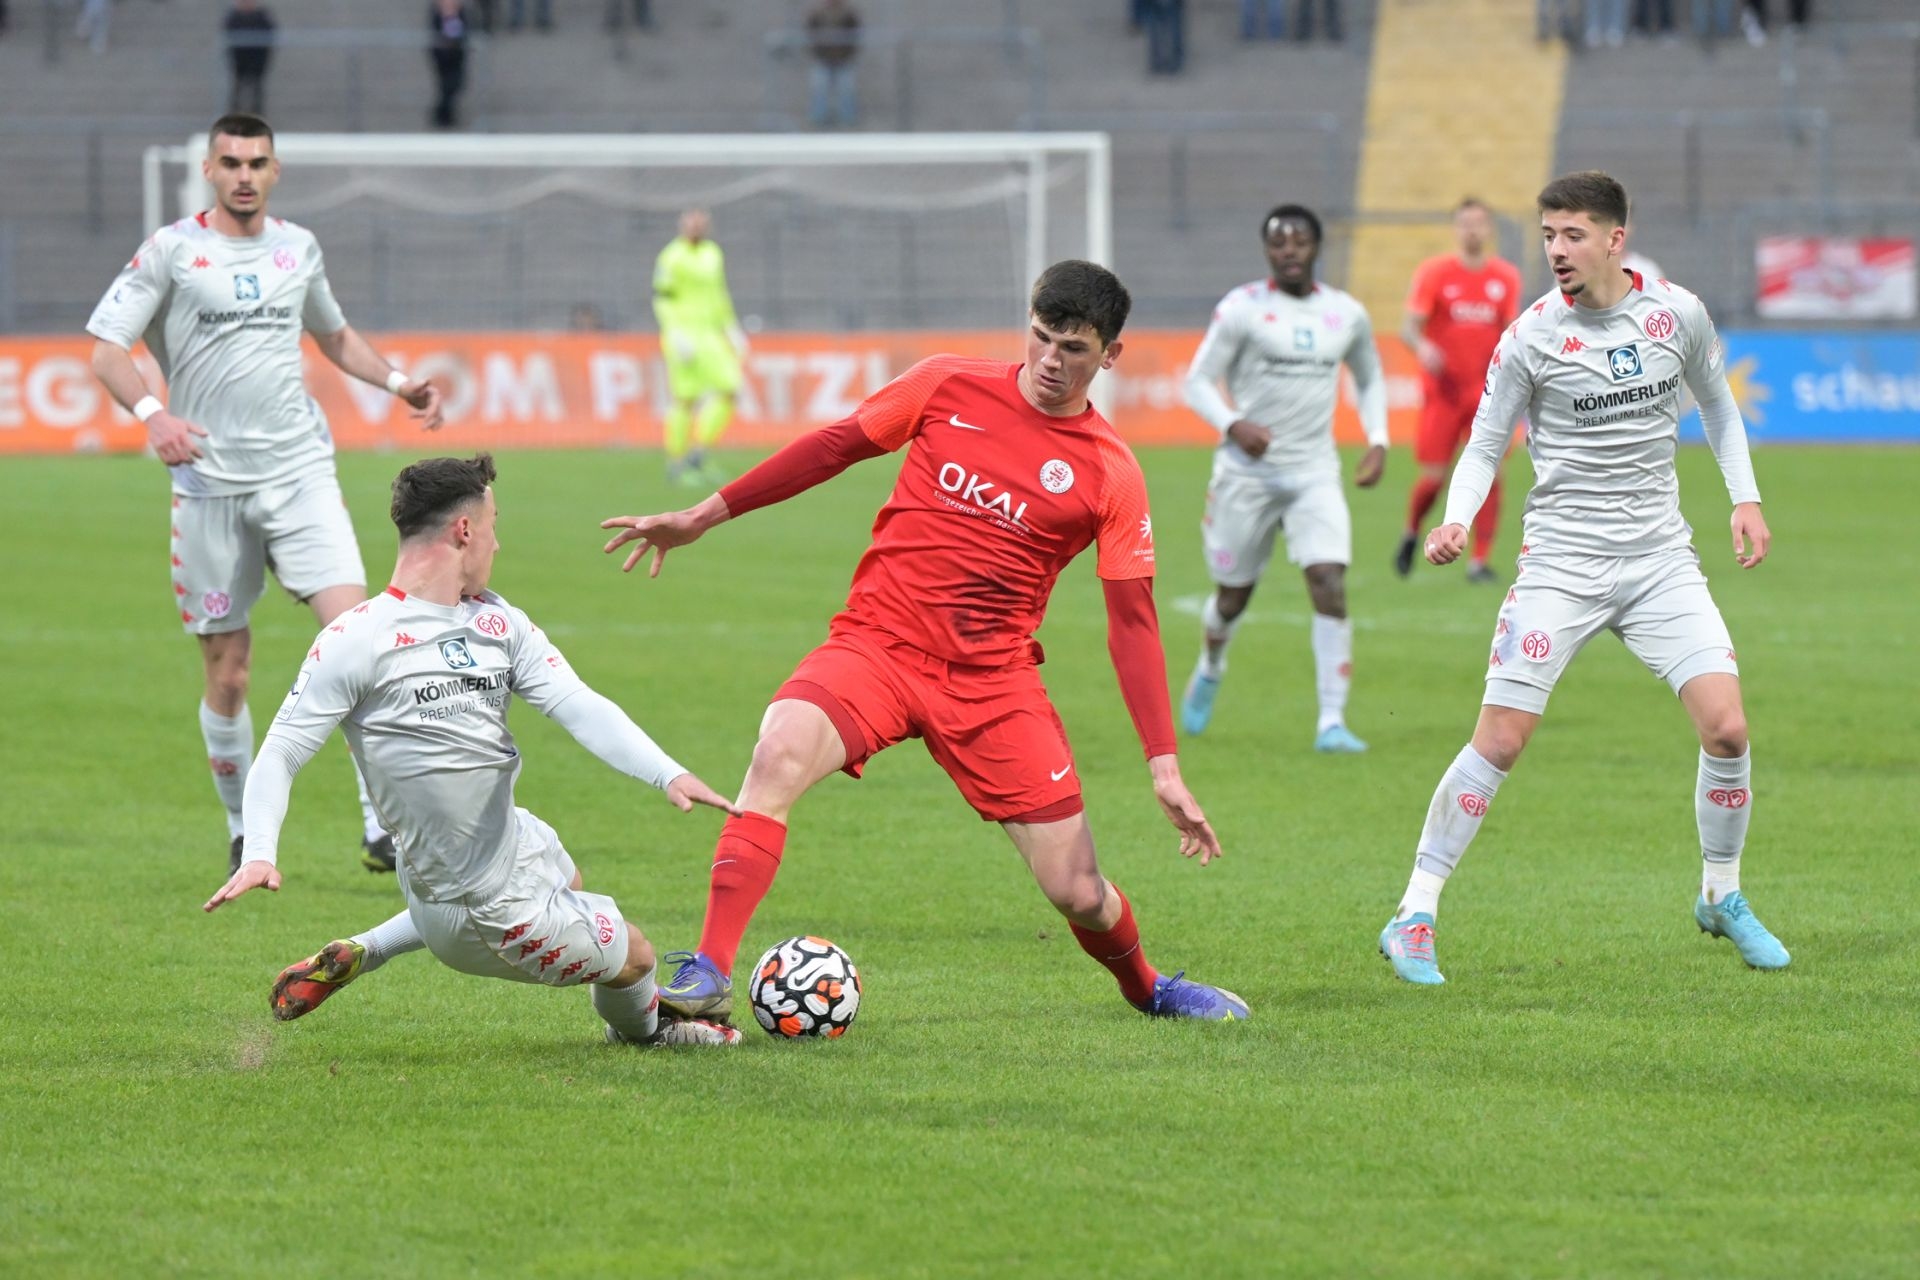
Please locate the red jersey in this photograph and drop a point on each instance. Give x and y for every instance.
(993, 500)
(1466, 312)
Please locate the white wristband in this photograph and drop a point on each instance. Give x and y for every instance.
(395, 381)
(146, 407)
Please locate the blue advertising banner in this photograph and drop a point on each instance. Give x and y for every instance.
(1823, 388)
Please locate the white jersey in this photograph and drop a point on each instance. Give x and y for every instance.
(1280, 359)
(421, 691)
(1602, 389)
(223, 317)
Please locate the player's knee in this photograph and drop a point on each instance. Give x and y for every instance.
(640, 958)
(1725, 734)
(1232, 601)
(1327, 584)
(1080, 898)
(778, 762)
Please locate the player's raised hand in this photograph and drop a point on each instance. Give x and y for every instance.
(661, 534)
(1445, 544)
(251, 875)
(1373, 465)
(1183, 811)
(424, 397)
(1749, 526)
(1252, 438)
(172, 438)
(686, 791)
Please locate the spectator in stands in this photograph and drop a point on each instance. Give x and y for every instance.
(448, 23)
(616, 16)
(1713, 18)
(542, 15)
(1558, 19)
(249, 31)
(1753, 20)
(1303, 20)
(1270, 14)
(3, 17)
(1166, 25)
(1606, 23)
(1653, 17)
(95, 17)
(833, 39)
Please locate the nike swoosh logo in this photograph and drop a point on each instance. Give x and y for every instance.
(964, 426)
(1063, 773)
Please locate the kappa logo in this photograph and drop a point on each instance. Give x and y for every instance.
(201, 264)
(401, 640)
(514, 935)
(530, 946)
(246, 288)
(1056, 476)
(1624, 362)
(456, 654)
(1572, 346)
(984, 494)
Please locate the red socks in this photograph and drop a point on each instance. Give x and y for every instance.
(1420, 501)
(744, 863)
(1486, 523)
(1119, 949)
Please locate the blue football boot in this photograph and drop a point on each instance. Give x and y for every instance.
(1731, 918)
(1176, 997)
(697, 990)
(1337, 739)
(1196, 705)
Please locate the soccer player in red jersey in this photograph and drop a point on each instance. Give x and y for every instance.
(1009, 474)
(1458, 307)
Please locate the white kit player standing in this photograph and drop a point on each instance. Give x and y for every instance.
(420, 678)
(221, 299)
(1277, 344)
(1598, 366)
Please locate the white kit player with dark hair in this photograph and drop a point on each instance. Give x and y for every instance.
(420, 678)
(1598, 367)
(1277, 345)
(222, 299)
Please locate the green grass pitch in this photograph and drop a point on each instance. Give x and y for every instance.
(1599, 1091)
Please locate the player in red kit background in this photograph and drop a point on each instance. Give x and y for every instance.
(1009, 474)
(1458, 307)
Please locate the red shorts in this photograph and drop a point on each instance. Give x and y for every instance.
(992, 729)
(1445, 422)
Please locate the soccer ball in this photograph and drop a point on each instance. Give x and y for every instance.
(805, 987)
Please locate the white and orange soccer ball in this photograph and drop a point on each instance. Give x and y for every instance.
(805, 987)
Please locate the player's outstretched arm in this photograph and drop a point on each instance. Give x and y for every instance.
(171, 437)
(1370, 384)
(264, 812)
(662, 533)
(1182, 810)
(355, 356)
(1445, 544)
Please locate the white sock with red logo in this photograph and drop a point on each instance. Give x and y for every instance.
(388, 939)
(1332, 667)
(1723, 806)
(1453, 819)
(1216, 635)
(632, 1011)
(229, 742)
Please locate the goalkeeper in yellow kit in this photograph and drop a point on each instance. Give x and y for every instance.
(703, 344)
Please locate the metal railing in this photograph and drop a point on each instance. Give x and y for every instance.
(1806, 127)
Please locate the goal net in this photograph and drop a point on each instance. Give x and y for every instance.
(549, 232)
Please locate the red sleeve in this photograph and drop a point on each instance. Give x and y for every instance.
(1420, 295)
(1124, 534)
(1133, 642)
(891, 416)
(814, 457)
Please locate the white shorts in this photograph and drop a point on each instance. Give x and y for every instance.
(1244, 512)
(537, 929)
(1658, 604)
(223, 546)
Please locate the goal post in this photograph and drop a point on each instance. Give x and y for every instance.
(990, 209)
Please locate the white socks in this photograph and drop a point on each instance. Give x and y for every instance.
(370, 828)
(1217, 636)
(1723, 806)
(384, 941)
(229, 742)
(1332, 667)
(1453, 819)
(632, 1011)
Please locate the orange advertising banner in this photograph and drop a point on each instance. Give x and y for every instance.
(506, 390)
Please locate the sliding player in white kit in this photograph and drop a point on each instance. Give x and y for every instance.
(221, 299)
(1278, 345)
(420, 678)
(1598, 367)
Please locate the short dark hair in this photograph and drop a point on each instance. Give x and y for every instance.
(428, 492)
(1299, 211)
(1073, 293)
(1591, 192)
(1472, 202)
(241, 124)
